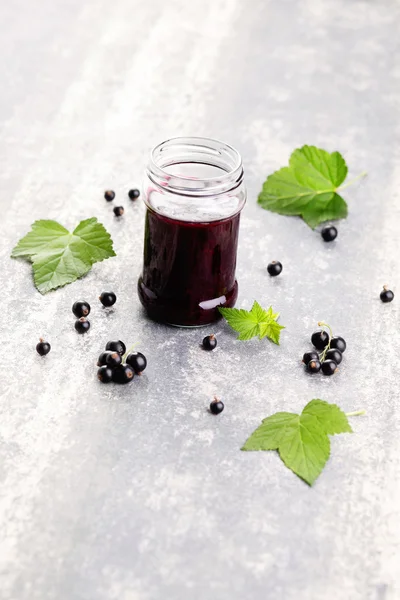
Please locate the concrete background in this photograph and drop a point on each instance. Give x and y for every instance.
(136, 492)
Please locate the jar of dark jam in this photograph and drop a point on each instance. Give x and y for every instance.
(194, 193)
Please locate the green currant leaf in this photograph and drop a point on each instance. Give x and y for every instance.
(59, 257)
(301, 440)
(307, 187)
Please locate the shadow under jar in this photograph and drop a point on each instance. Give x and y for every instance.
(194, 192)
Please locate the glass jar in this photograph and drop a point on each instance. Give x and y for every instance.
(194, 192)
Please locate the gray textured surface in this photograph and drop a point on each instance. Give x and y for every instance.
(137, 493)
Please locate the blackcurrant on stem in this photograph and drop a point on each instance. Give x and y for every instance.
(355, 413)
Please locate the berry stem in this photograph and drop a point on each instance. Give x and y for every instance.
(328, 347)
(349, 183)
(124, 356)
(324, 351)
(355, 413)
(323, 324)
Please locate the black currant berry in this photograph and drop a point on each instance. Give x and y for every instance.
(320, 339)
(137, 361)
(105, 374)
(81, 308)
(82, 325)
(210, 342)
(117, 346)
(107, 298)
(339, 343)
(43, 347)
(314, 366)
(102, 360)
(109, 195)
(334, 354)
(386, 294)
(118, 211)
(328, 367)
(329, 233)
(133, 194)
(216, 406)
(274, 268)
(310, 356)
(113, 359)
(123, 374)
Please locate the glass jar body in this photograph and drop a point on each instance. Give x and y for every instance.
(193, 199)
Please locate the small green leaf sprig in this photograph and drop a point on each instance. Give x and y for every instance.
(255, 322)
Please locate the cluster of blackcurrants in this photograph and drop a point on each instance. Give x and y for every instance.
(81, 309)
(109, 195)
(330, 355)
(114, 365)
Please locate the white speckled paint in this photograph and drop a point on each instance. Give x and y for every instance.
(136, 492)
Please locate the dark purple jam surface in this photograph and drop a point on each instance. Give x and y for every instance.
(189, 269)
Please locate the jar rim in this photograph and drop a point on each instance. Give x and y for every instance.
(214, 152)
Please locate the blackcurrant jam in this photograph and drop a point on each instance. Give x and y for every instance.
(194, 193)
